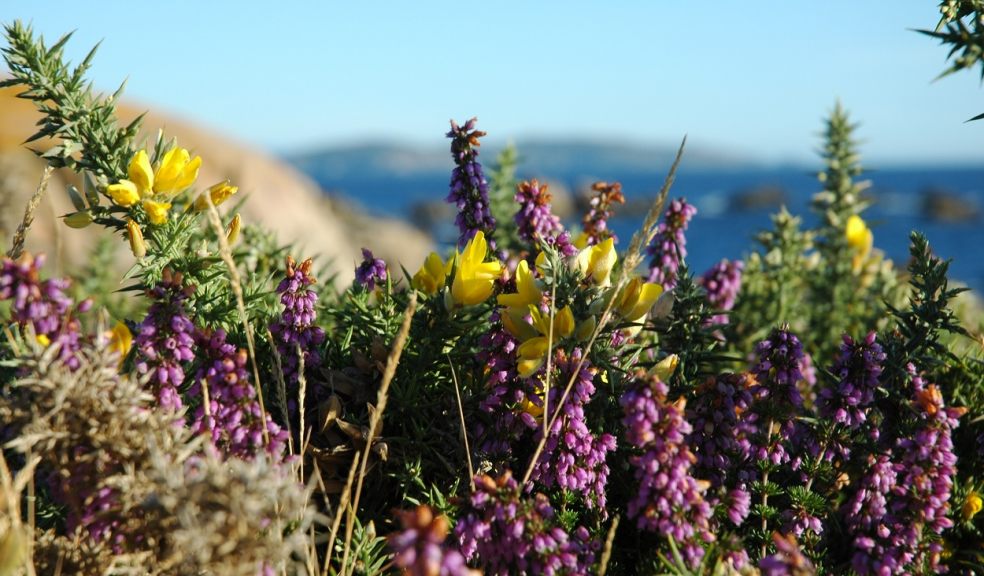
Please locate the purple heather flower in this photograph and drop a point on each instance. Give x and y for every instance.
(508, 534)
(722, 284)
(42, 304)
(788, 559)
(595, 222)
(420, 548)
(857, 370)
(669, 500)
(234, 421)
(371, 271)
(165, 340)
(295, 328)
(469, 189)
(778, 373)
(507, 392)
(537, 224)
(723, 428)
(900, 507)
(573, 457)
(668, 247)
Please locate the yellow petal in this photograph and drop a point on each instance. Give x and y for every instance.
(120, 339)
(156, 211)
(219, 193)
(141, 173)
(527, 291)
(431, 276)
(563, 323)
(124, 193)
(596, 262)
(585, 329)
(514, 321)
(666, 367)
(176, 172)
(43, 340)
(136, 239)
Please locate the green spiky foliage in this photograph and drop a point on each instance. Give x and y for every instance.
(502, 191)
(961, 28)
(774, 281)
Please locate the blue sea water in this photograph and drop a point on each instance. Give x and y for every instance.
(721, 231)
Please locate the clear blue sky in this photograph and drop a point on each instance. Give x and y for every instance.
(750, 76)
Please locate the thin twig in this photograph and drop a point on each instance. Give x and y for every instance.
(546, 382)
(632, 259)
(392, 361)
(301, 396)
(17, 244)
(464, 429)
(237, 289)
(606, 552)
(282, 395)
(340, 511)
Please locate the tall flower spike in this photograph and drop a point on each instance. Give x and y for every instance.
(669, 245)
(857, 370)
(469, 190)
(233, 421)
(573, 457)
(595, 222)
(295, 329)
(669, 500)
(537, 224)
(778, 372)
(165, 340)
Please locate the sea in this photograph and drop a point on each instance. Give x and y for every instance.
(733, 205)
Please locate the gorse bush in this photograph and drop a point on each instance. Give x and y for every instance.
(537, 400)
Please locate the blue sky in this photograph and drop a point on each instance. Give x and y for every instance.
(754, 77)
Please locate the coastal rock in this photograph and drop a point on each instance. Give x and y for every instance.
(946, 206)
(765, 197)
(279, 197)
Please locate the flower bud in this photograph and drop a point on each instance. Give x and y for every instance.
(232, 234)
(78, 219)
(135, 236)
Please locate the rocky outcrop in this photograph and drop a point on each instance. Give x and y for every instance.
(279, 197)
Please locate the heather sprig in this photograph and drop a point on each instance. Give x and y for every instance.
(230, 414)
(535, 222)
(295, 333)
(669, 500)
(601, 209)
(469, 188)
(371, 271)
(668, 248)
(165, 341)
(504, 533)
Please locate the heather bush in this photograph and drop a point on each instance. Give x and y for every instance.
(541, 397)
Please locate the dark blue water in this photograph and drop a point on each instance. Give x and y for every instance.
(721, 231)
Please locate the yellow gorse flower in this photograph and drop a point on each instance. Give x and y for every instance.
(176, 172)
(124, 193)
(432, 275)
(666, 367)
(860, 238)
(219, 193)
(156, 211)
(635, 301)
(120, 340)
(474, 278)
(527, 290)
(971, 506)
(596, 262)
(153, 188)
